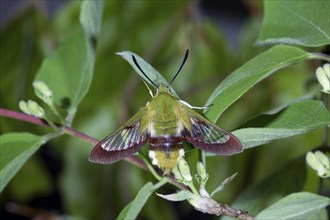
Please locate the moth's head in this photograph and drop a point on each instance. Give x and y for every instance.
(163, 88)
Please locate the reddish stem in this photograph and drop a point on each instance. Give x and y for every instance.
(220, 209)
(22, 117)
(31, 119)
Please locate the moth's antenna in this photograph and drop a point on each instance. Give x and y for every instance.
(183, 61)
(138, 66)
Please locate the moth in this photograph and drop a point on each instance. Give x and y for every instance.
(165, 122)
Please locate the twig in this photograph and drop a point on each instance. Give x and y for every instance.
(326, 128)
(22, 117)
(70, 131)
(209, 205)
(320, 56)
(236, 213)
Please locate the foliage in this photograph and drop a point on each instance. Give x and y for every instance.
(274, 99)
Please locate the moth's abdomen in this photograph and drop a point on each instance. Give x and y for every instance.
(165, 150)
(166, 142)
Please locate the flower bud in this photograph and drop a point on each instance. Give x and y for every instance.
(43, 92)
(31, 108)
(184, 170)
(319, 162)
(24, 107)
(323, 76)
(35, 109)
(201, 172)
(322, 158)
(177, 173)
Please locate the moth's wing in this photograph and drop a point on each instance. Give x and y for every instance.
(122, 143)
(207, 136)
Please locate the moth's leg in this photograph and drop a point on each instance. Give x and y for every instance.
(150, 92)
(194, 107)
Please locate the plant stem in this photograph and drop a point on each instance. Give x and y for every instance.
(68, 130)
(151, 168)
(236, 213)
(161, 182)
(53, 135)
(202, 157)
(220, 209)
(22, 117)
(320, 56)
(50, 123)
(325, 98)
(193, 188)
(53, 108)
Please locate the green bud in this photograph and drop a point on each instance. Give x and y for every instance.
(184, 170)
(31, 108)
(319, 162)
(323, 76)
(24, 107)
(177, 173)
(35, 109)
(323, 158)
(43, 92)
(201, 171)
(313, 162)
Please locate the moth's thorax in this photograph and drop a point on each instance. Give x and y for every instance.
(164, 114)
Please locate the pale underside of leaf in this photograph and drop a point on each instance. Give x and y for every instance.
(295, 206)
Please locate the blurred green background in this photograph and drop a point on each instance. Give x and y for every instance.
(59, 180)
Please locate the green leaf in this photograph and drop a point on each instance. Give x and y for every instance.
(295, 206)
(180, 196)
(319, 214)
(91, 17)
(288, 179)
(124, 211)
(252, 72)
(223, 184)
(151, 72)
(133, 209)
(298, 118)
(16, 149)
(306, 23)
(68, 73)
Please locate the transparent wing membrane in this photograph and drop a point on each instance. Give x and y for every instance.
(120, 144)
(209, 137)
